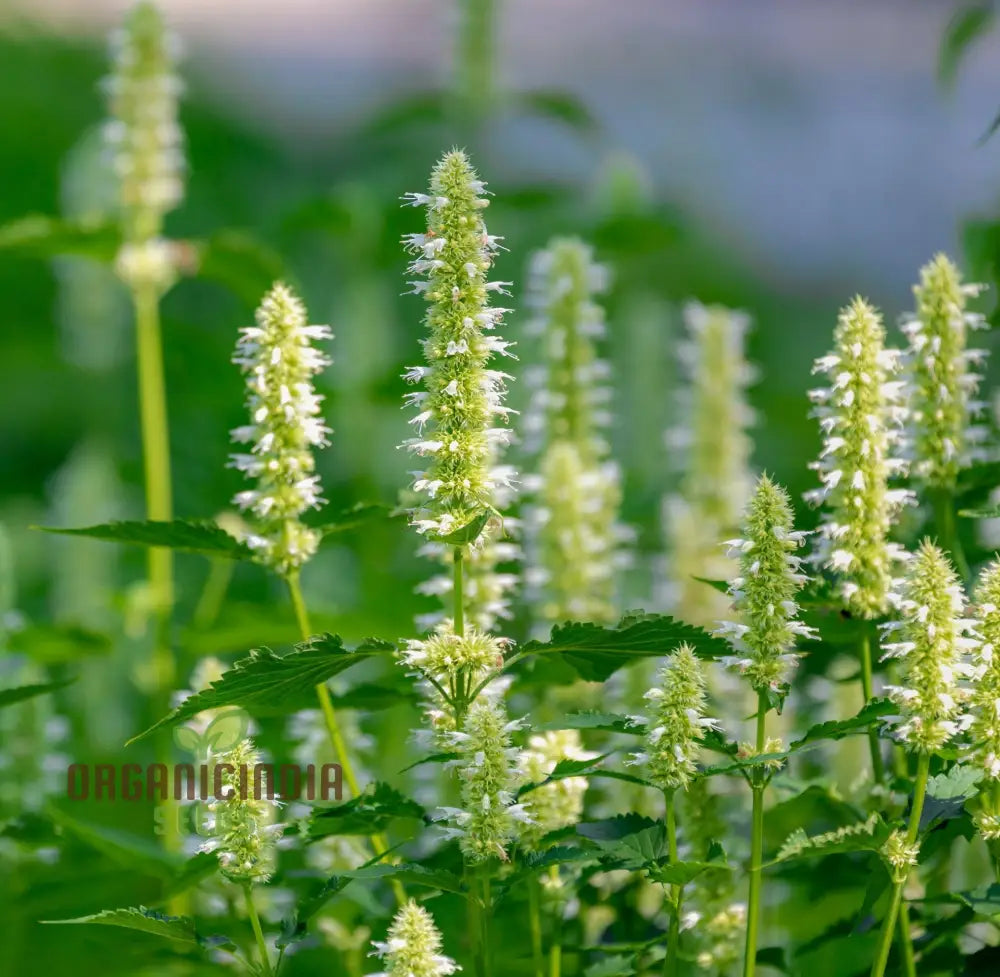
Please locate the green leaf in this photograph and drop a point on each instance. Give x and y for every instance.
(627, 841)
(560, 107)
(356, 515)
(680, 873)
(180, 929)
(20, 693)
(268, 684)
(959, 782)
(192, 536)
(605, 721)
(54, 644)
(369, 813)
(867, 836)
(410, 874)
(839, 728)
(984, 901)
(616, 965)
(965, 27)
(468, 533)
(39, 236)
(597, 652)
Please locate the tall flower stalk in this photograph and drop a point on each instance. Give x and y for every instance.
(709, 448)
(764, 638)
(943, 380)
(573, 538)
(932, 642)
(674, 731)
(459, 431)
(861, 415)
(144, 141)
(279, 361)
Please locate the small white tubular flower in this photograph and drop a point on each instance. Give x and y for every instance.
(943, 375)
(574, 543)
(460, 417)
(488, 819)
(443, 655)
(861, 415)
(244, 828)
(676, 722)
(932, 640)
(559, 804)
(143, 134)
(985, 699)
(710, 450)
(279, 361)
(768, 628)
(413, 946)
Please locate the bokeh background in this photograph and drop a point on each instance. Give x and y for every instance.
(777, 156)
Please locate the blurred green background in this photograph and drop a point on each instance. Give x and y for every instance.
(771, 156)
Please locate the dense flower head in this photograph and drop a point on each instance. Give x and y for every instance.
(861, 414)
(443, 654)
(488, 820)
(243, 825)
(143, 133)
(573, 538)
(900, 855)
(709, 448)
(279, 361)
(560, 803)
(932, 641)
(574, 543)
(676, 724)
(985, 700)
(942, 380)
(413, 946)
(764, 592)
(461, 400)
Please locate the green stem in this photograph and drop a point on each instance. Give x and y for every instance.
(912, 832)
(756, 847)
(378, 840)
(474, 908)
(155, 433)
(865, 653)
(670, 961)
(213, 593)
(474, 62)
(943, 502)
(458, 590)
(906, 942)
(487, 918)
(535, 925)
(555, 949)
(258, 933)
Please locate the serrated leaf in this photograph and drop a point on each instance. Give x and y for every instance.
(189, 535)
(839, 728)
(680, 873)
(867, 836)
(9, 697)
(959, 782)
(54, 644)
(410, 874)
(597, 652)
(370, 812)
(269, 684)
(39, 236)
(966, 26)
(617, 965)
(179, 929)
(627, 841)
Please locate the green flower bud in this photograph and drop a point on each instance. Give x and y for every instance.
(933, 639)
(861, 417)
(942, 381)
(279, 362)
(413, 947)
(710, 450)
(462, 397)
(677, 722)
(143, 134)
(244, 828)
(764, 592)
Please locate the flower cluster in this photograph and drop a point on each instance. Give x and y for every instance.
(413, 946)
(279, 361)
(900, 855)
(764, 592)
(984, 703)
(443, 655)
(461, 397)
(677, 725)
(243, 825)
(488, 820)
(145, 139)
(943, 383)
(710, 449)
(574, 543)
(932, 641)
(861, 415)
(560, 803)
